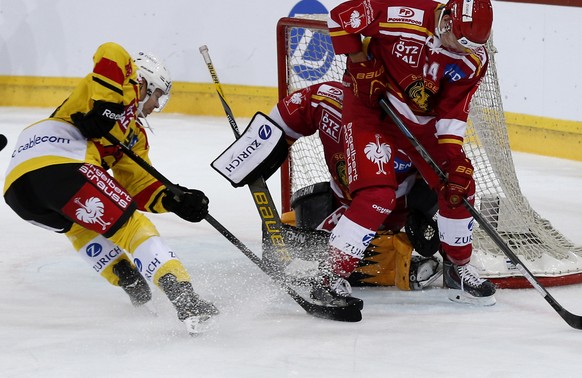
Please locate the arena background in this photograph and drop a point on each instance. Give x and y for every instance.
(45, 47)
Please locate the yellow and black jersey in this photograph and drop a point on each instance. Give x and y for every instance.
(114, 79)
(57, 141)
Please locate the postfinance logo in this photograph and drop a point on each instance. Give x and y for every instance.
(312, 52)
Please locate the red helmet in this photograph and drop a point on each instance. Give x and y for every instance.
(471, 21)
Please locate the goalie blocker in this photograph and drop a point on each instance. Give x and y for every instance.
(258, 152)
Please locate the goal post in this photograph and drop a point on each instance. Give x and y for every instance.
(305, 56)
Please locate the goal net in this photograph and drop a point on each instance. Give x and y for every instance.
(305, 57)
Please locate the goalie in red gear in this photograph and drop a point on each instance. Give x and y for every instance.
(61, 181)
(388, 259)
(434, 59)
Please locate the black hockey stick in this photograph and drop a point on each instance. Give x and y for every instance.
(276, 251)
(346, 314)
(575, 321)
(3, 142)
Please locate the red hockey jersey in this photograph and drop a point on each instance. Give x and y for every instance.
(318, 108)
(428, 85)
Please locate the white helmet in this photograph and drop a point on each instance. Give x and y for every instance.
(156, 75)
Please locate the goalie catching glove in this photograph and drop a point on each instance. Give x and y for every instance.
(191, 205)
(99, 121)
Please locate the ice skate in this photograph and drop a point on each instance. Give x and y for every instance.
(332, 290)
(466, 286)
(133, 283)
(197, 314)
(424, 271)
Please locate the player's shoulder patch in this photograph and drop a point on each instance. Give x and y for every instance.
(294, 102)
(356, 18)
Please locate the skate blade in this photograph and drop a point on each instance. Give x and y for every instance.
(197, 325)
(461, 296)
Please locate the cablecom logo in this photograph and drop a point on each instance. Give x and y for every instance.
(40, 139)
(311, 52)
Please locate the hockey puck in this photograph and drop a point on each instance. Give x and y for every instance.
(3, 141)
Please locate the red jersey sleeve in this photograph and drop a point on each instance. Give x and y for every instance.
(349, 21)
(294, 114)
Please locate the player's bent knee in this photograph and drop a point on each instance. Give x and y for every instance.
(370, 206)
(134, 232)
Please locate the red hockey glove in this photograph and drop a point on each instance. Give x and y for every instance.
(98, 121)
(460, 175)
(191, 206)
(367, 80)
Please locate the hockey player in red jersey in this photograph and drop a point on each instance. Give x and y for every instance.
(427, 59)
(389, 261)
(58, 179)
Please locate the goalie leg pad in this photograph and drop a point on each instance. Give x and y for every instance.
(386, 262)
(403, 250)
(378, 268)
(389, 261)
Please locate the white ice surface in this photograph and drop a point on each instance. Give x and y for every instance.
(60, 319)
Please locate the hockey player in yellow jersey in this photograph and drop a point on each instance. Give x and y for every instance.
(59, 179)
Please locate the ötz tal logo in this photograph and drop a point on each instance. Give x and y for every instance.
(93, 249)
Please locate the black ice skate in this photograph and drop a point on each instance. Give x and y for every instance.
(196, 313)
(332, 290)
(466, 285)
(133, 283)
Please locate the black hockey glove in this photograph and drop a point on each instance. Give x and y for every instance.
(98, 121)
(191, 206)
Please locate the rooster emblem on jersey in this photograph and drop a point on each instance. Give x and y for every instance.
(296, 99)
(355, 19)
(91, 211)
(378, 153)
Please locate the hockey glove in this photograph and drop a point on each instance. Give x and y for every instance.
(367, 80)
(99, 121)
(460, 176)
(192, 205)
